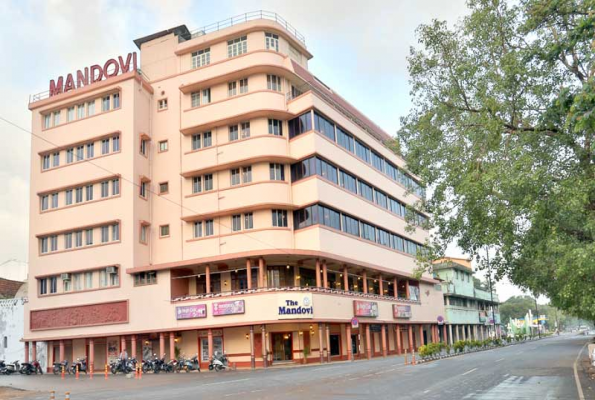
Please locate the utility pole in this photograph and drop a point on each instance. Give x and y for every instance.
(491, 291)
(537, 316)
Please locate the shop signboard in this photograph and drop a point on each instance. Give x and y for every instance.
(375, 328)
(295, 306)
(228, 308)
(190, 312)
(401, 311)
(215, 332)
(365, 308)
(112, 350)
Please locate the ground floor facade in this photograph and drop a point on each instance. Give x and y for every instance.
(458, 332)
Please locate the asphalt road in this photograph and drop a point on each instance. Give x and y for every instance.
(534, 370)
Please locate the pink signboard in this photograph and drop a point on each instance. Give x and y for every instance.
(189, 312)
(365, 308)
(401, 311)
(228, 308)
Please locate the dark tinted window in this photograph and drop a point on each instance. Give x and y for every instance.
(300, 125)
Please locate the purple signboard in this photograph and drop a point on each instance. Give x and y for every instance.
(228, 307)
(365, 308)
(401, 311)
(189, 312)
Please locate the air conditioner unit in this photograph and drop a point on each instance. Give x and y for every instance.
(111, 270)
(65, 277)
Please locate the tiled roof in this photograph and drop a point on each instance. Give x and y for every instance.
(8, 288)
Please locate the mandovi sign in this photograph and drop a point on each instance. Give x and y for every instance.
(295, 306)
(95, 73)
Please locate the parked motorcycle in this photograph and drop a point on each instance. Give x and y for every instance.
(147, 365)
(12, 368)
(57, 369)
(31, 368)
(120, 365)
(169, 366)
(219, 362)
(158, 363)
(81, 364)
(187, 365)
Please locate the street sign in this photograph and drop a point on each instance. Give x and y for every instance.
(440, 320)
(354, 323)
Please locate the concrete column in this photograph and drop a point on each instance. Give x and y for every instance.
(252, 355)
(133, 346)
(368, 342)
(450, 341)
(345, 279)
(380, 286)
(249, 274)
(398, 343)
(421, 335)
(349, 345)
(33, 351)
(457, 332)
(463, 330)
(210, 342)
(161, 344)
(407, 288)
(324, 275)
(475, 336)
(26, 352)
(328, 342)
(61, 351)
(383, 341)
(91, 355)
(318, 282)
(365, 279)
(172, 346)
(208, 277)
(320, 342)
(264, 346)
(261, 272)
(395, 287)
(444, 335)
(481, 330)
(410, 328)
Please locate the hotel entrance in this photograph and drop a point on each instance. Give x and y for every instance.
(282, 346)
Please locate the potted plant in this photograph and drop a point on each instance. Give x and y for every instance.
(306, 352)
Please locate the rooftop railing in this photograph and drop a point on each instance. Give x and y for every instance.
(239, 19)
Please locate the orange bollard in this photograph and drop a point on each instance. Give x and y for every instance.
(106, 372)
(67, 396)
(52, 395)
(63, 372)
(406, 360)
(76, 375)
(90, 372)
(412, 358)
(136, 372)
(140, 372)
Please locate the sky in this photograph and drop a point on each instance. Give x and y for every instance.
(360, 50)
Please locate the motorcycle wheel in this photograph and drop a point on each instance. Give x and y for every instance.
(156, 370)
(145, 369)
(210, 367)
(218, 368)
(114, 371)
(56, 371)
(28, 371)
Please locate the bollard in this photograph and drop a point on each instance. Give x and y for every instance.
(140, 372)
(90, 371)
(76, 375)
(412, 358)
(136, 372)
(67, 396)
(406, 360)
(106, 372)
(63, 372)
(52, 395)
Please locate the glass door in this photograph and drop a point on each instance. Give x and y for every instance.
(282, 347)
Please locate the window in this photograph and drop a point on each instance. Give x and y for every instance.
(70, 114)
(201, 58)
(206, 96)
(80, 111)
(195, 99)
(244, 85)
(144, 231)
(196, 142)
(105, 103)
(198, 229)
(277, 172)
(89, 237)
(164, 187)
(90, 150)
(368, 232)
(348, 181)
(209, 228)
(116, 144)
(275, 127)
(54, 243)
(68, 240)
(163, 146)
(78, 281)
(326, 170)
(69, 197)
(89, 192)
(208, 182)
(43, 287)
(300, 125)
(54, 200)
(91, 108)
(365, 190)
(56, 159)
(104, 189)
(237, 46)
(44, 202)
(56, 118)
(66, 285)
(143, 189)
(248, 221)
(362, 151)
(79, 195)
(271, 41)
(80, 153)
(377, 161)
(53, 280)
(274, 83)
(115, 187)
(104, 234)
(145, 278)
(88, 280)
(162, 104)
(247, 174)
(381, 199)
(47, 121)
(164, 231)
(143, 147)
(43, 242)
(235, 176)
(196, 184)
(116, 99)
(233, 133)
(329, 217)
(245, 130)
(231, 89)
(350, 225)
(103, 280)
(69, 156)
(236, 223)
(279, 218)
(115, 232)
(382, 237)
(78, 238)
(105, 146)
(207, 140)
(324, 126)
(45, 162)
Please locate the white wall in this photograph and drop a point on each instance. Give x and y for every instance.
(12, 315)
(14, 270)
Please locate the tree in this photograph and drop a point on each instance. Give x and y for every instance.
(502, 131)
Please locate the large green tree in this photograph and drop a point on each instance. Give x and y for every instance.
(502, 130)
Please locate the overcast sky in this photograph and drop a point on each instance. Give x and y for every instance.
(359, 48)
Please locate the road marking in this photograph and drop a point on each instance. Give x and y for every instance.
(581, 396)
(499, 360)
(427, 391)
(365, 376)
(468, 372)
(352, 379)
(506, 375)
(225, 382)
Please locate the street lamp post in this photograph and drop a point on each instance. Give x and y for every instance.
(491, 292)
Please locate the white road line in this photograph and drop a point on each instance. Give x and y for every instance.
(500, 360)
(365, 376)
(427, 391)
(352, 379)
(468, 372)
(225, 382)
(581, 396)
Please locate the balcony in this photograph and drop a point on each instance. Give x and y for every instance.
(461, 315)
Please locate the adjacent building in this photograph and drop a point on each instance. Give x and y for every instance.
(219, 197)
(471, 312)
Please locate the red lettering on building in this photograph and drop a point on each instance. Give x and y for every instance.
(95, 73)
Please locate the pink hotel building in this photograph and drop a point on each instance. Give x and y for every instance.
(223, 199)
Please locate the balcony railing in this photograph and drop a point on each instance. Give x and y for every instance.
(311, 289)
(239, 19)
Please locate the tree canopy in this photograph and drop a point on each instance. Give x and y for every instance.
(502, 131)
